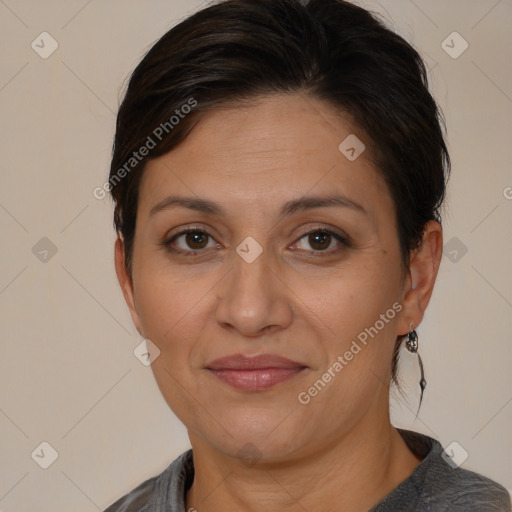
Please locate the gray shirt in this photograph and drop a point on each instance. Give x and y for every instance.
(434, 486)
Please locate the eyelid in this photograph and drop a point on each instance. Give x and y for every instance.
(325, 229)
(187, 228)
(184, 231)
(342, 239)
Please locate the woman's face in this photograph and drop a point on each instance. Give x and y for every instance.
(255, 283)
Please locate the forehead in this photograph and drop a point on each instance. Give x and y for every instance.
(266, 152)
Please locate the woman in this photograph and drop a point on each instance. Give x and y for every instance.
(278, 171)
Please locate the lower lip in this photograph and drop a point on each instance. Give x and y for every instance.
(255, 380)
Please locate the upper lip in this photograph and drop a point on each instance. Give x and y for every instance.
(243, 362)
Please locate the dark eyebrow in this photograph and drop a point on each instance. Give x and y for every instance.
(199, 205)
(310, 202)
(290, 207)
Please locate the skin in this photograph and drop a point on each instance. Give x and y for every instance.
(338, 452)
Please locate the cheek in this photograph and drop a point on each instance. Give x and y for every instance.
(358, 305)
(172, 312)
(167, 300)
(352, 298)
(175, 308)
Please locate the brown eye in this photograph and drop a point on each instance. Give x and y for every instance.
(196, 239)
(322, 241)
(190, 242)
(319, 240)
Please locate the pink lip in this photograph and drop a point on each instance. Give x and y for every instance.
(254, 373)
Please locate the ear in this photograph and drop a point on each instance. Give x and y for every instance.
(420, 280)
(125, 281)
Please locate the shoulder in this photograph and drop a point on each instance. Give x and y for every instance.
(459, 489)
(166, 488)
(136, 500)
(443, 485)
(439, 485)
(472, 491)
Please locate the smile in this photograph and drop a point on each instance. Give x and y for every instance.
(256, 380)
(254, 373)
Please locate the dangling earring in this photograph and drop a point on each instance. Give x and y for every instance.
(412, 346)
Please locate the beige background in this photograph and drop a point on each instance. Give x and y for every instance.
(68, 373)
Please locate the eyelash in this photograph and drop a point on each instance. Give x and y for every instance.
(318, 253)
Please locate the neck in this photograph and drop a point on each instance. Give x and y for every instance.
(354, 473)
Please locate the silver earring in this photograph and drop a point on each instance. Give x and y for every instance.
(412, 346)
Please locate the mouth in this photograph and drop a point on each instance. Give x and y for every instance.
(254, 373)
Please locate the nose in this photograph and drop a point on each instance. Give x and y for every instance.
(253, 299)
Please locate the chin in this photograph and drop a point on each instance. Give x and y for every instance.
(257, 434)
